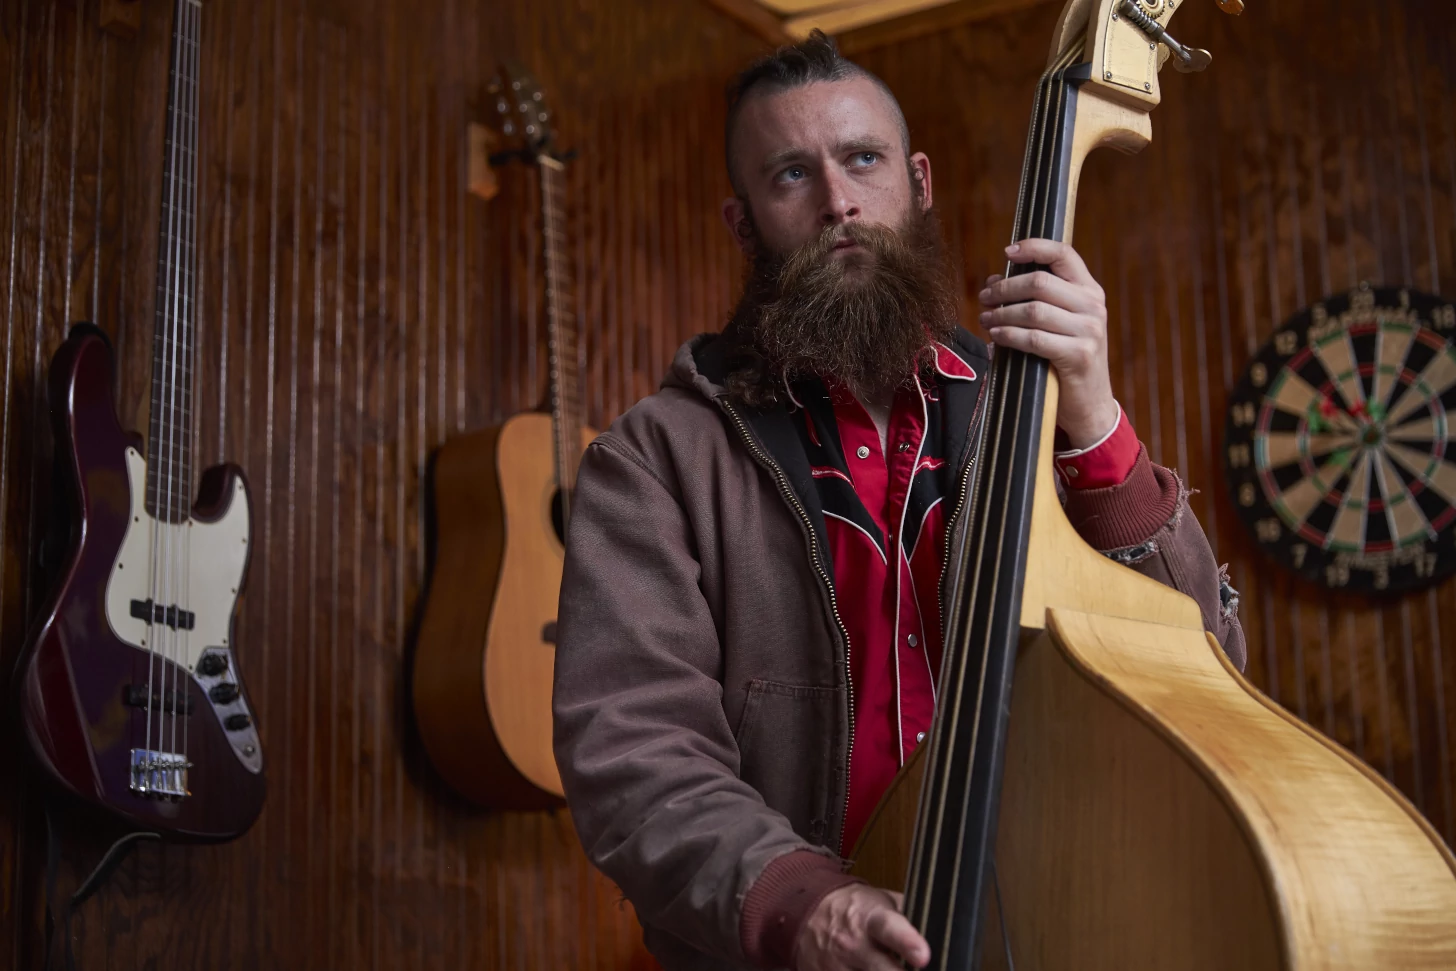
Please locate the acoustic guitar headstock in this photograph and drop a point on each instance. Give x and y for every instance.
(524, 118)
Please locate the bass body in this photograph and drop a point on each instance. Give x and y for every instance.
(486, 654)
(1133, 802)
(143, 716)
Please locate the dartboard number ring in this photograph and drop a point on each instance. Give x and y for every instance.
(1337, 442)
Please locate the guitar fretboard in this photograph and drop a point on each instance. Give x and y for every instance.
(566, 410)
(169, 442)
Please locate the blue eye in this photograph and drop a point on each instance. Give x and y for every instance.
(793, 174)
(865, 159)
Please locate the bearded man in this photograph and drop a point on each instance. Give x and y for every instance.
(750, 628)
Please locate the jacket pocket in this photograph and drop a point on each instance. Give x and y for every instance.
(787, 745)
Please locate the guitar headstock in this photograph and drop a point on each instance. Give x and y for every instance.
(1127, 44)
(525, 120)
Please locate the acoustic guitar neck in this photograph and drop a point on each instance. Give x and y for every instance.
(563, 358)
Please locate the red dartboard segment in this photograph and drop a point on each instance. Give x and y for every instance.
(1336, 441)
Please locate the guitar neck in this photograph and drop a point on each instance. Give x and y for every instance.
(169, 442)
(564, 362)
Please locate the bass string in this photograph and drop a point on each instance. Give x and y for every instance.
(932, 804)
(159, 537)
(193, 43)
(172, 626)
(169, 465)
(918, 889)
(926, 859)
(934, 799)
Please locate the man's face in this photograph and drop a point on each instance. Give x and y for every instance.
(822, 154)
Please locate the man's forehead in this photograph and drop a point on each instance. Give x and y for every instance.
(821, 114)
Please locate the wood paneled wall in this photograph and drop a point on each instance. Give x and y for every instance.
(358, 307)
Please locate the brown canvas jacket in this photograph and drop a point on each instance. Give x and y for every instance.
(701, 711)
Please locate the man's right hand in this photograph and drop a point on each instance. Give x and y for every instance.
(859, 928)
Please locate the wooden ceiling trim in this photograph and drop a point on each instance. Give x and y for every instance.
(931, 21)
(860, 25)
(758, 19)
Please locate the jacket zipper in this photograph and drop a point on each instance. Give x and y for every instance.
(767, 462)
(962, 493)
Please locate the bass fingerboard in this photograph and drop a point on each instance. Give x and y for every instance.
(955, 833)
(170, 438)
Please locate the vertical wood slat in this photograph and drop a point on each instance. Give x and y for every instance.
(358, 307)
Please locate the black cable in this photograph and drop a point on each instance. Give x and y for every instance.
(109, 862)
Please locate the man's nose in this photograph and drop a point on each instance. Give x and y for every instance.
(839, 204)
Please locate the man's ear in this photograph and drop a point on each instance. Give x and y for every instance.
(735, 217)
(920, 171)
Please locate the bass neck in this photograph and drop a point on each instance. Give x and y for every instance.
(170, 439)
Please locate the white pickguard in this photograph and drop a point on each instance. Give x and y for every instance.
(192, 565)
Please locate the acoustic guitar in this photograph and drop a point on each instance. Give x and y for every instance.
(131, 695)
(486, 651)
(1133, 802)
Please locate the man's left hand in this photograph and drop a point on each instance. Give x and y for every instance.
(1059, 314)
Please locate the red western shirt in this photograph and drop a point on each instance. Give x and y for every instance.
(885, 514)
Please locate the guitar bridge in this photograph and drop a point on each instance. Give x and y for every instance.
(162, 775)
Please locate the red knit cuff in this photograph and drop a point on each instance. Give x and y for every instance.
(780, 900)
(1129, 514)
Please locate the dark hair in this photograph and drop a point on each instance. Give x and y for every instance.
(815, 58)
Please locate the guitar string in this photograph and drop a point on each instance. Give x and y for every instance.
(168, 458)
(932, 813)
(175, 528)
(155, 515)
(1031, 178)
(1049, 145)
(940, 783)
(922, 879)
(1018, 371)
(194, 43)
(178, 516)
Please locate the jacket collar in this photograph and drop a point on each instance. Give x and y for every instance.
(703, 364)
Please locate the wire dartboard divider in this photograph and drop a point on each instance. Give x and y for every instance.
(1338, 441)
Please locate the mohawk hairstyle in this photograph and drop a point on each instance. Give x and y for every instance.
(816, 58)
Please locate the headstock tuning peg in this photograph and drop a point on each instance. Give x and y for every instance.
(1197, 59)
(1186, 60)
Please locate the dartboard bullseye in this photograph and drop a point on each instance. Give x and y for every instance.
(1338, 447)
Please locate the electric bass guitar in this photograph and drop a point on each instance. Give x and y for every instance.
(502, 501)
(131, 695)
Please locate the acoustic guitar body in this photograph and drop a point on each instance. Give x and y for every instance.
(1158, 811)
(486, 653)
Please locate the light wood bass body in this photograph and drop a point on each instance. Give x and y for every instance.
(485, 654)
(1158, 811)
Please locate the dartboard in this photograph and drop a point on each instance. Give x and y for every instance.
(1338, 444)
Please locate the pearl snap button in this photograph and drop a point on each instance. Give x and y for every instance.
(863, 451)
(904, 446)
(1072, 472)
(919, 737)
(913, 640)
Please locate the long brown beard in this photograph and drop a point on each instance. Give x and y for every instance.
(867, 321)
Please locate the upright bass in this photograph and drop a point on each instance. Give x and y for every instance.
(1133, 802)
